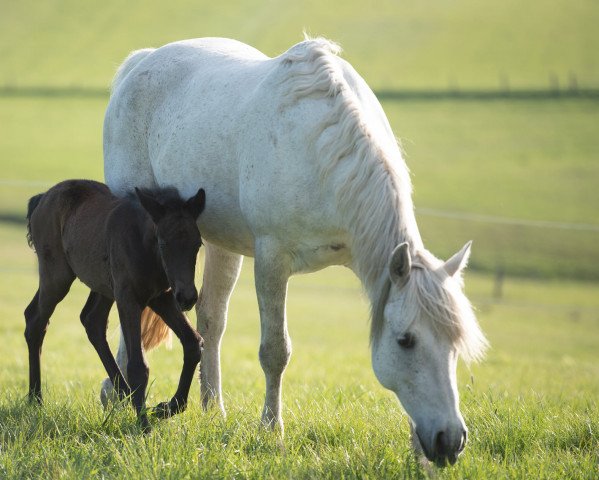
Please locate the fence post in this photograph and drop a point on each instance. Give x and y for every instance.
(498, 285)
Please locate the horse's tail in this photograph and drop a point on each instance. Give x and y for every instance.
(153, 330)
(130, 62)
(31, 205)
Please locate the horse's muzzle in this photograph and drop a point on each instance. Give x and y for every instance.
(445, 447)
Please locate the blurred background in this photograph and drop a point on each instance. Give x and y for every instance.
(495, 104)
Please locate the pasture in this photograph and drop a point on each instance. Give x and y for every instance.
(531, 406)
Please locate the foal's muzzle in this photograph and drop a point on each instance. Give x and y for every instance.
(186, 298)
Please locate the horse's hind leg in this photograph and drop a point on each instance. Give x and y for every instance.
(94, 318)
(166, 306)
(221, 270)
(55, 282)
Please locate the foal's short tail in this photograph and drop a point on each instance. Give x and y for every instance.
(31, 205)
(153, 330)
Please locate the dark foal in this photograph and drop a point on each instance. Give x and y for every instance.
(138, 251)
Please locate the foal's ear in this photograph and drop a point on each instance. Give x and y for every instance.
(195, 205)
(400, 264)
(150, 204)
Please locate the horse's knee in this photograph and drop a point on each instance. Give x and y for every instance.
(274, 355)
(211, 322)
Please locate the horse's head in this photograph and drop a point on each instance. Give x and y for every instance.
(179, 240)
(422, 324)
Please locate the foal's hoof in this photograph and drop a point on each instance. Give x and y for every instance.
(168, 409)
(35, 398)
(144, 423)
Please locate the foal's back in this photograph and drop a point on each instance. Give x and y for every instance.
(67, 228)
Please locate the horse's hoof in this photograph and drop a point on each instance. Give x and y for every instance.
(108, 395)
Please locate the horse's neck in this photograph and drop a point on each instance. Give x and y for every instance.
(370, 258)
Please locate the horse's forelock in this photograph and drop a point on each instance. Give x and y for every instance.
(438, 300)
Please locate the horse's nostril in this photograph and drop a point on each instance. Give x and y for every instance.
(440, 449)
(463, 440)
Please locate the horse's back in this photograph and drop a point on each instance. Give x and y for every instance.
(219, 114)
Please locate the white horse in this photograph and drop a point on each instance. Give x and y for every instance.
(301, 171)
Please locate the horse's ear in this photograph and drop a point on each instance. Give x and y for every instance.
(195, 205)
(400, 264)
(458, 262)
(150, 204)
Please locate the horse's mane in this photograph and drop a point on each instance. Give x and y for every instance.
(372, 186)
(370, 180)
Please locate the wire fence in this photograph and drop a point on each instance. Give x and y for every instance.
(502, 245)
(453, 91)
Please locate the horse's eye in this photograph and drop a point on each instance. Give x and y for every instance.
(407, 341)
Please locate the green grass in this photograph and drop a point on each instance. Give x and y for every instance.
(531, 406)
(408, 44)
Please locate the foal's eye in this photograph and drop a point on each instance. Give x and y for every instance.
(407, 341)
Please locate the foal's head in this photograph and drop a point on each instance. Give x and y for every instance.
(178, 238)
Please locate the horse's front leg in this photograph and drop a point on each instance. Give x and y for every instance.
(272, 271)
(137, 368)
(166, 306)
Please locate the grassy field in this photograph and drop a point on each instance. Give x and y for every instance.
(408, 44)
(531, 406)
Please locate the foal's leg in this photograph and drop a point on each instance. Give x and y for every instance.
(166, 306)
(221, 270)
(107, 392)
(272, 271)
(137, 368)
(55, 281)
(94, 318)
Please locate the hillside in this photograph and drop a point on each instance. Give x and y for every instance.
(408, 44)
